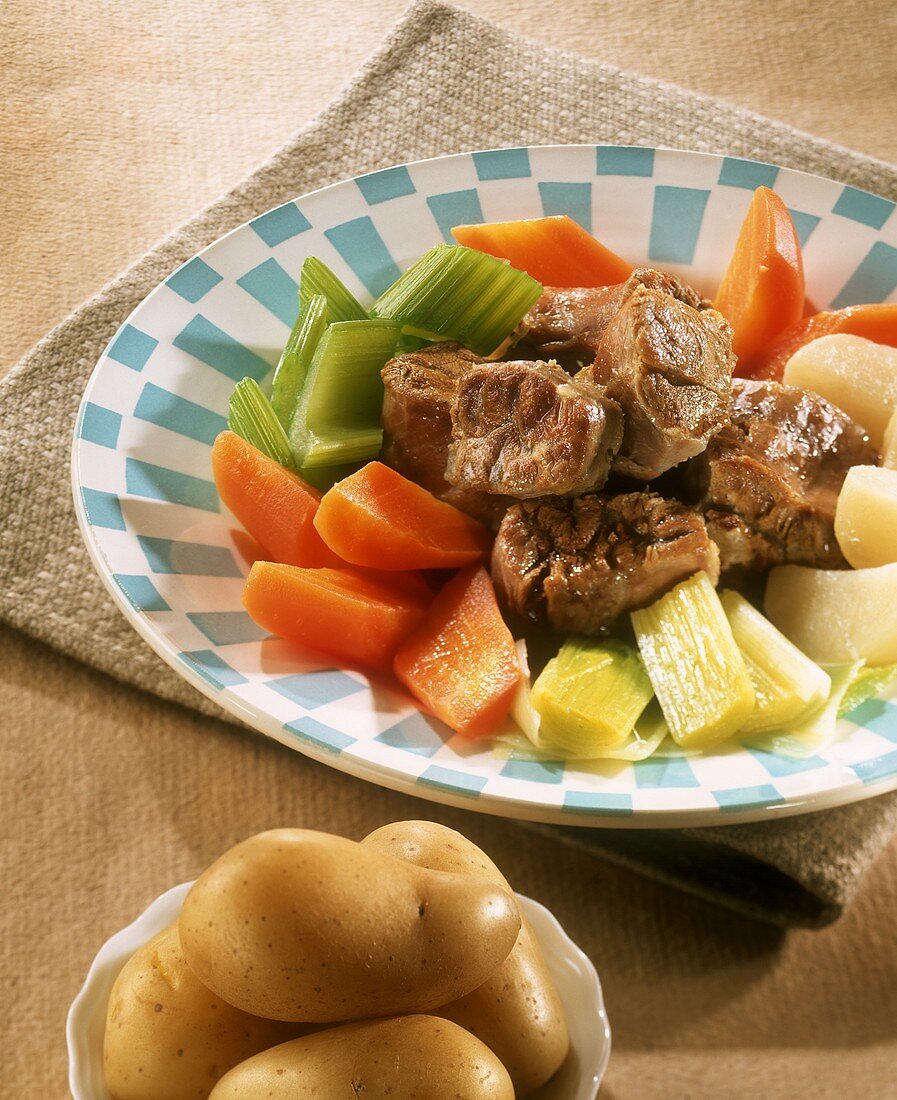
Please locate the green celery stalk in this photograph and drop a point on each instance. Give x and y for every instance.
(817, 728)
(868, 683)
(697, 670)
(337, 417)
(317, 279)
(457, 293)
(296, 358)
(325, 477)
(786, 682)
(590, 696)
(251, 415)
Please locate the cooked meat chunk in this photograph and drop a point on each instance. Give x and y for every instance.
(529, 430)
(417, 423)
(669, 366)
(579, 563)
(573, 321)
(769, 482)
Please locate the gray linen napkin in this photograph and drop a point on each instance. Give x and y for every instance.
(444, 81)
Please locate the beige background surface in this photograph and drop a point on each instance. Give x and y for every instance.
(117, 121)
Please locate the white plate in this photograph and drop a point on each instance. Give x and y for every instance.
(171, 556)
(573, 973)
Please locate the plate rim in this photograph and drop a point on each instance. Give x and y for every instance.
(381, 774)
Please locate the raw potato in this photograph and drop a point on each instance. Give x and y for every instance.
(866, 516)
(169, 1038)
(857, 375)
(889, 447)
(836, 615)
(516, 1012)
(410, 1058)
(299, 925)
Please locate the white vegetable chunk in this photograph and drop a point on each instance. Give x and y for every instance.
(866, 516)
(857, 375)
(889, 447)
(836, 615)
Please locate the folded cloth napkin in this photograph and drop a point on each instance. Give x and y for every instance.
(444, 81)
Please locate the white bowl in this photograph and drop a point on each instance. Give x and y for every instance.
(573, 973)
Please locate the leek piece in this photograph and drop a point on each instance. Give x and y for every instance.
(697, 670)
(251, 415)
(867, 684)
(337, 417)
(786, 682)
(818, 727)
(457, 293)
(317, 279)
(590, 696)
(649, 731)
(296, 358)
(647, 736)
(522, 710)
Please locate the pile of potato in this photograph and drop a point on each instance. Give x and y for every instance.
(410, 940)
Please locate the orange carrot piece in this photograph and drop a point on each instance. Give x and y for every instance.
(873, 322)
(461, 661)
(274, 505)
(338, 611)
(762, 292)
(379, 519)
(557, 251)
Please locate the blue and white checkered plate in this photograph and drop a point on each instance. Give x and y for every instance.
(173, 558)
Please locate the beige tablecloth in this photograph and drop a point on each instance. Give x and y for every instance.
(119, 120)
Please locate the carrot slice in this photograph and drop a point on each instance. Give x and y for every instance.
(461, 661)
(379, 519)
(274, 505)
(762, 292)
(556, 251)
(341, 612)
(873, 322)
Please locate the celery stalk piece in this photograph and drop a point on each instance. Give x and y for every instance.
(867, 684)
(590, 696)
(296, 358)
(457, 293)
(337, 417)
(696, 668)
(817, 728)
(325, 477)
(317, 279)
(786, 682)
(251, 415)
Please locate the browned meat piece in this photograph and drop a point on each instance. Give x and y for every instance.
(574, 320)
(579, 563)
(529, 430)
(669, 366)
(417, 424)
(768, 484)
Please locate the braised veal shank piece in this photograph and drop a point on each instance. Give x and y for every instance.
(573, 320)
(578, 563)
(769, 482)
(529, 430)
(419, 388)
(669, 366)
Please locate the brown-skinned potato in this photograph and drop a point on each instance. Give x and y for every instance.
(516, 1012)
(167, 1036)
(407, 1058)
(299, 925)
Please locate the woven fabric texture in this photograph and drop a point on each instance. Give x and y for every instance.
(444, 81)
